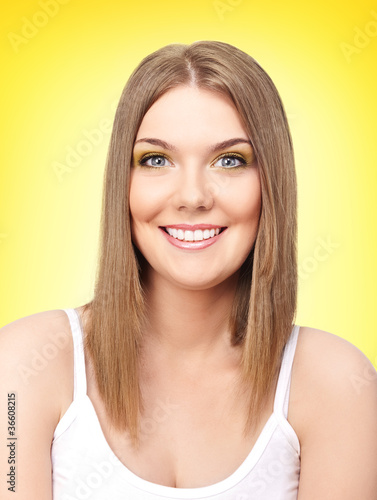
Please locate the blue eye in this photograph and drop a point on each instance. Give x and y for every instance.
(229, 161)
(156, 160)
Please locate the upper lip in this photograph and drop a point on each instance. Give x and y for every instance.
(188, 227)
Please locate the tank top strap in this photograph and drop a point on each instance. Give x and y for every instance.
(284, 380)
(79, 388)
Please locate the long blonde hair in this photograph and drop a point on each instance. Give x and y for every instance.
(264, 306)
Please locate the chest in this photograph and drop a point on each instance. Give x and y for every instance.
(191, 435)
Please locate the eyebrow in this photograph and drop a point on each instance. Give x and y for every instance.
(212, 149)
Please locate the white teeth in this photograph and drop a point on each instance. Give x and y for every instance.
(197, 235)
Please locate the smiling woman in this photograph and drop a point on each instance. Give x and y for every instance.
(186, 375)
(188, 102)
(201, 189)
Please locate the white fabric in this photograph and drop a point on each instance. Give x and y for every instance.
(84, 466)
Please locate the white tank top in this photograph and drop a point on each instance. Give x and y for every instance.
(85, 467)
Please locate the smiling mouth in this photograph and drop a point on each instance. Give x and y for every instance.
(193, 235)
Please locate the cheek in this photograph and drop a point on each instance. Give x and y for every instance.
(146, 199)
(245, 200)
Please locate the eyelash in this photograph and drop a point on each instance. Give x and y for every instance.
(145, 158)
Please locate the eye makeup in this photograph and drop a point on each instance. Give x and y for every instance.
(234, 156)
(142, 162)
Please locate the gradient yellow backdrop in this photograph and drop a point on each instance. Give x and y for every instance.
(64, 65)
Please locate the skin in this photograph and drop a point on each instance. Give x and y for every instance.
(187, 357)
(192, 188)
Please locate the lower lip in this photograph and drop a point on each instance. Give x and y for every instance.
(192, 245)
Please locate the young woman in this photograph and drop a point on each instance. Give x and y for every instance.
(186, 376)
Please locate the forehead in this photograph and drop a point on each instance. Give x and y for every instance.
(189, 112)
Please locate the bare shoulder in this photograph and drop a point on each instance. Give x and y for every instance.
(36, 329)
(36, 377)
(320, 354)
(35, 324)
(333, 409)
(37, 349)
(328, 368)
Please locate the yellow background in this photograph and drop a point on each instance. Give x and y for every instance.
(64, 77)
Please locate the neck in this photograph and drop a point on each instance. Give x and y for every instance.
(188, 325)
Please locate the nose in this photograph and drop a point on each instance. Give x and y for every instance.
(193, 190)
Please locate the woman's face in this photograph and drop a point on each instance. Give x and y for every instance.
(193, 164)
